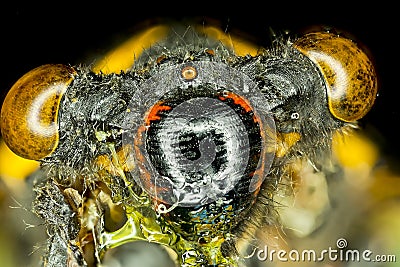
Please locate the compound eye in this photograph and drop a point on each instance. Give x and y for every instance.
(349, 74)
(30, 110)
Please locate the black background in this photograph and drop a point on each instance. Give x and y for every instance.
(67, 32)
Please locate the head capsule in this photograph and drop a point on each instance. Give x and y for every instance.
(349, 74)
(30, 111)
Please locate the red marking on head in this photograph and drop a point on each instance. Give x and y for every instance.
(153, 114)
(240, 101)
(145, 175)
(237, 100)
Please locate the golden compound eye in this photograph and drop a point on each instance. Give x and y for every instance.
(30, 110)
(349, 74)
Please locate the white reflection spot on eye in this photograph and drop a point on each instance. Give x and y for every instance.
(340, 84)
(34, 122)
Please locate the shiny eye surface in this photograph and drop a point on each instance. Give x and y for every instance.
(349, 74)
(30, 111)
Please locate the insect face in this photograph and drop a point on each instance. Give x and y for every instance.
(183, 148)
